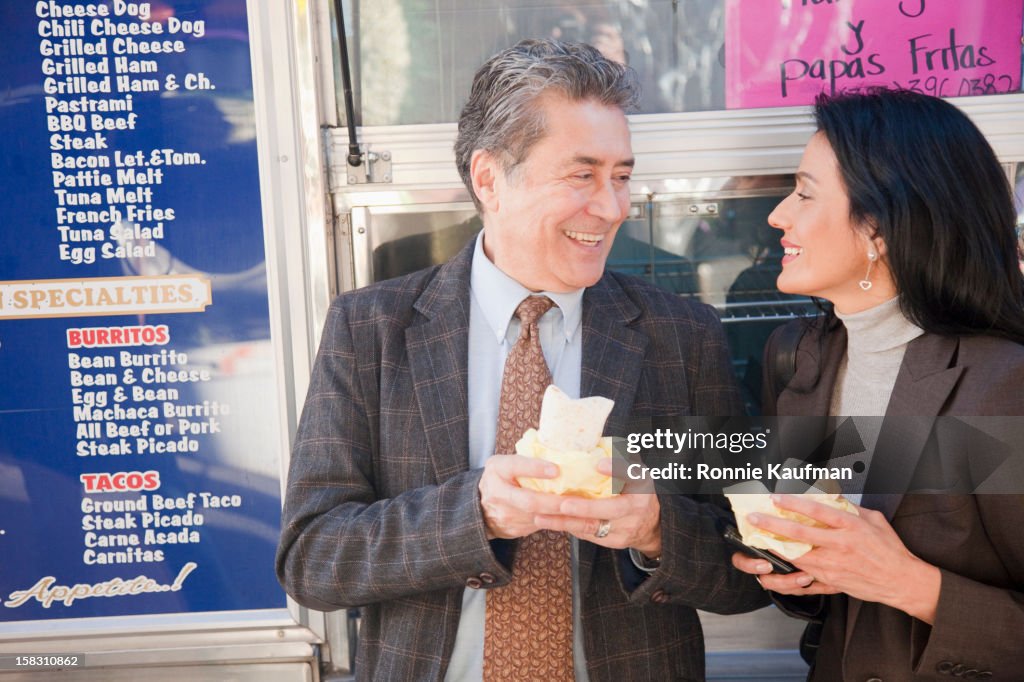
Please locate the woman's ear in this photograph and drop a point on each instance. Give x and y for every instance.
(878, 244)
(873, 241)
(485, 174)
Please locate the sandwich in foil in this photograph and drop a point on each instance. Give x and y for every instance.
(748, 503)
(570, 436)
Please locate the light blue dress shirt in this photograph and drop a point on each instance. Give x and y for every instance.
(493, 329)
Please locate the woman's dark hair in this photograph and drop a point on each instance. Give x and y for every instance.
(921, 175)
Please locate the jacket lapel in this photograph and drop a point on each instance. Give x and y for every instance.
(923, 385)
(438, 353)
(613, 356)
(613, 353)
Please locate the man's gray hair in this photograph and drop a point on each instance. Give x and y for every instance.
(501, 115)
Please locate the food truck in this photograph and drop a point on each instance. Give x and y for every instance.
(190, 182)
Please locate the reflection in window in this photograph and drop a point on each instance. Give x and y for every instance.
(1018, 194)
(718, 248)
(714, 246)
(413, 60)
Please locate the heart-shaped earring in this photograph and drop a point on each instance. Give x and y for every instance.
(865, 284)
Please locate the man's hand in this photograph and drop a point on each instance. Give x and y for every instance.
(634, 517)
(509, 510)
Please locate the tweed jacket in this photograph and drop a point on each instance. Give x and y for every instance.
(382, 510)
(977, 541)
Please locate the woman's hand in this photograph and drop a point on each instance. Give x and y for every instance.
(799, 584)
(860, 555)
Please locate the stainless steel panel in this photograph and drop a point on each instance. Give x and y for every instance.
(389, 241)
(239, 672)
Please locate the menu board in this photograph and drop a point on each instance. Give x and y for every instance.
(139, 462)
(784, 52)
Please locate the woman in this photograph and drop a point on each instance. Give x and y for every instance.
(902, 218)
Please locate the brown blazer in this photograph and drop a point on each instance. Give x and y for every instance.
(976, 540)
(382, 510)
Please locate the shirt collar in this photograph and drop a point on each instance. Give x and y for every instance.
(499, 295)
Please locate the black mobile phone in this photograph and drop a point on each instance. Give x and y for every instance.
(779, 565)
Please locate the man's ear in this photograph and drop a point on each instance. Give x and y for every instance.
(486, 175)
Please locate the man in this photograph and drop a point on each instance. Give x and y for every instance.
(395, 502)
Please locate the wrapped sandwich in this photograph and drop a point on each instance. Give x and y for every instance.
(748, 503)
(570, 436)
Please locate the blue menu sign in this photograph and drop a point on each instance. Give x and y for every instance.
(139, 463)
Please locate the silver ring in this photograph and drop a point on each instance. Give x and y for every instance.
(603, 529)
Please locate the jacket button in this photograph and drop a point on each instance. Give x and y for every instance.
(659, 597)
(971, 674)
(959, 669)
(874, 679)
(944, 667)
(474, 583)
(984, 675)
(487, 578)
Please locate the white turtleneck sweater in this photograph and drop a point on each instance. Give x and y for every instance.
(877, 339)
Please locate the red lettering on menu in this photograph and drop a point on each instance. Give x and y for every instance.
(142, 335)
(120, 481)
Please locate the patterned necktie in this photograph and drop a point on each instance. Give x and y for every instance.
(528, 633)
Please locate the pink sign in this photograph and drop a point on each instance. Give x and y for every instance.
(784, 52)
